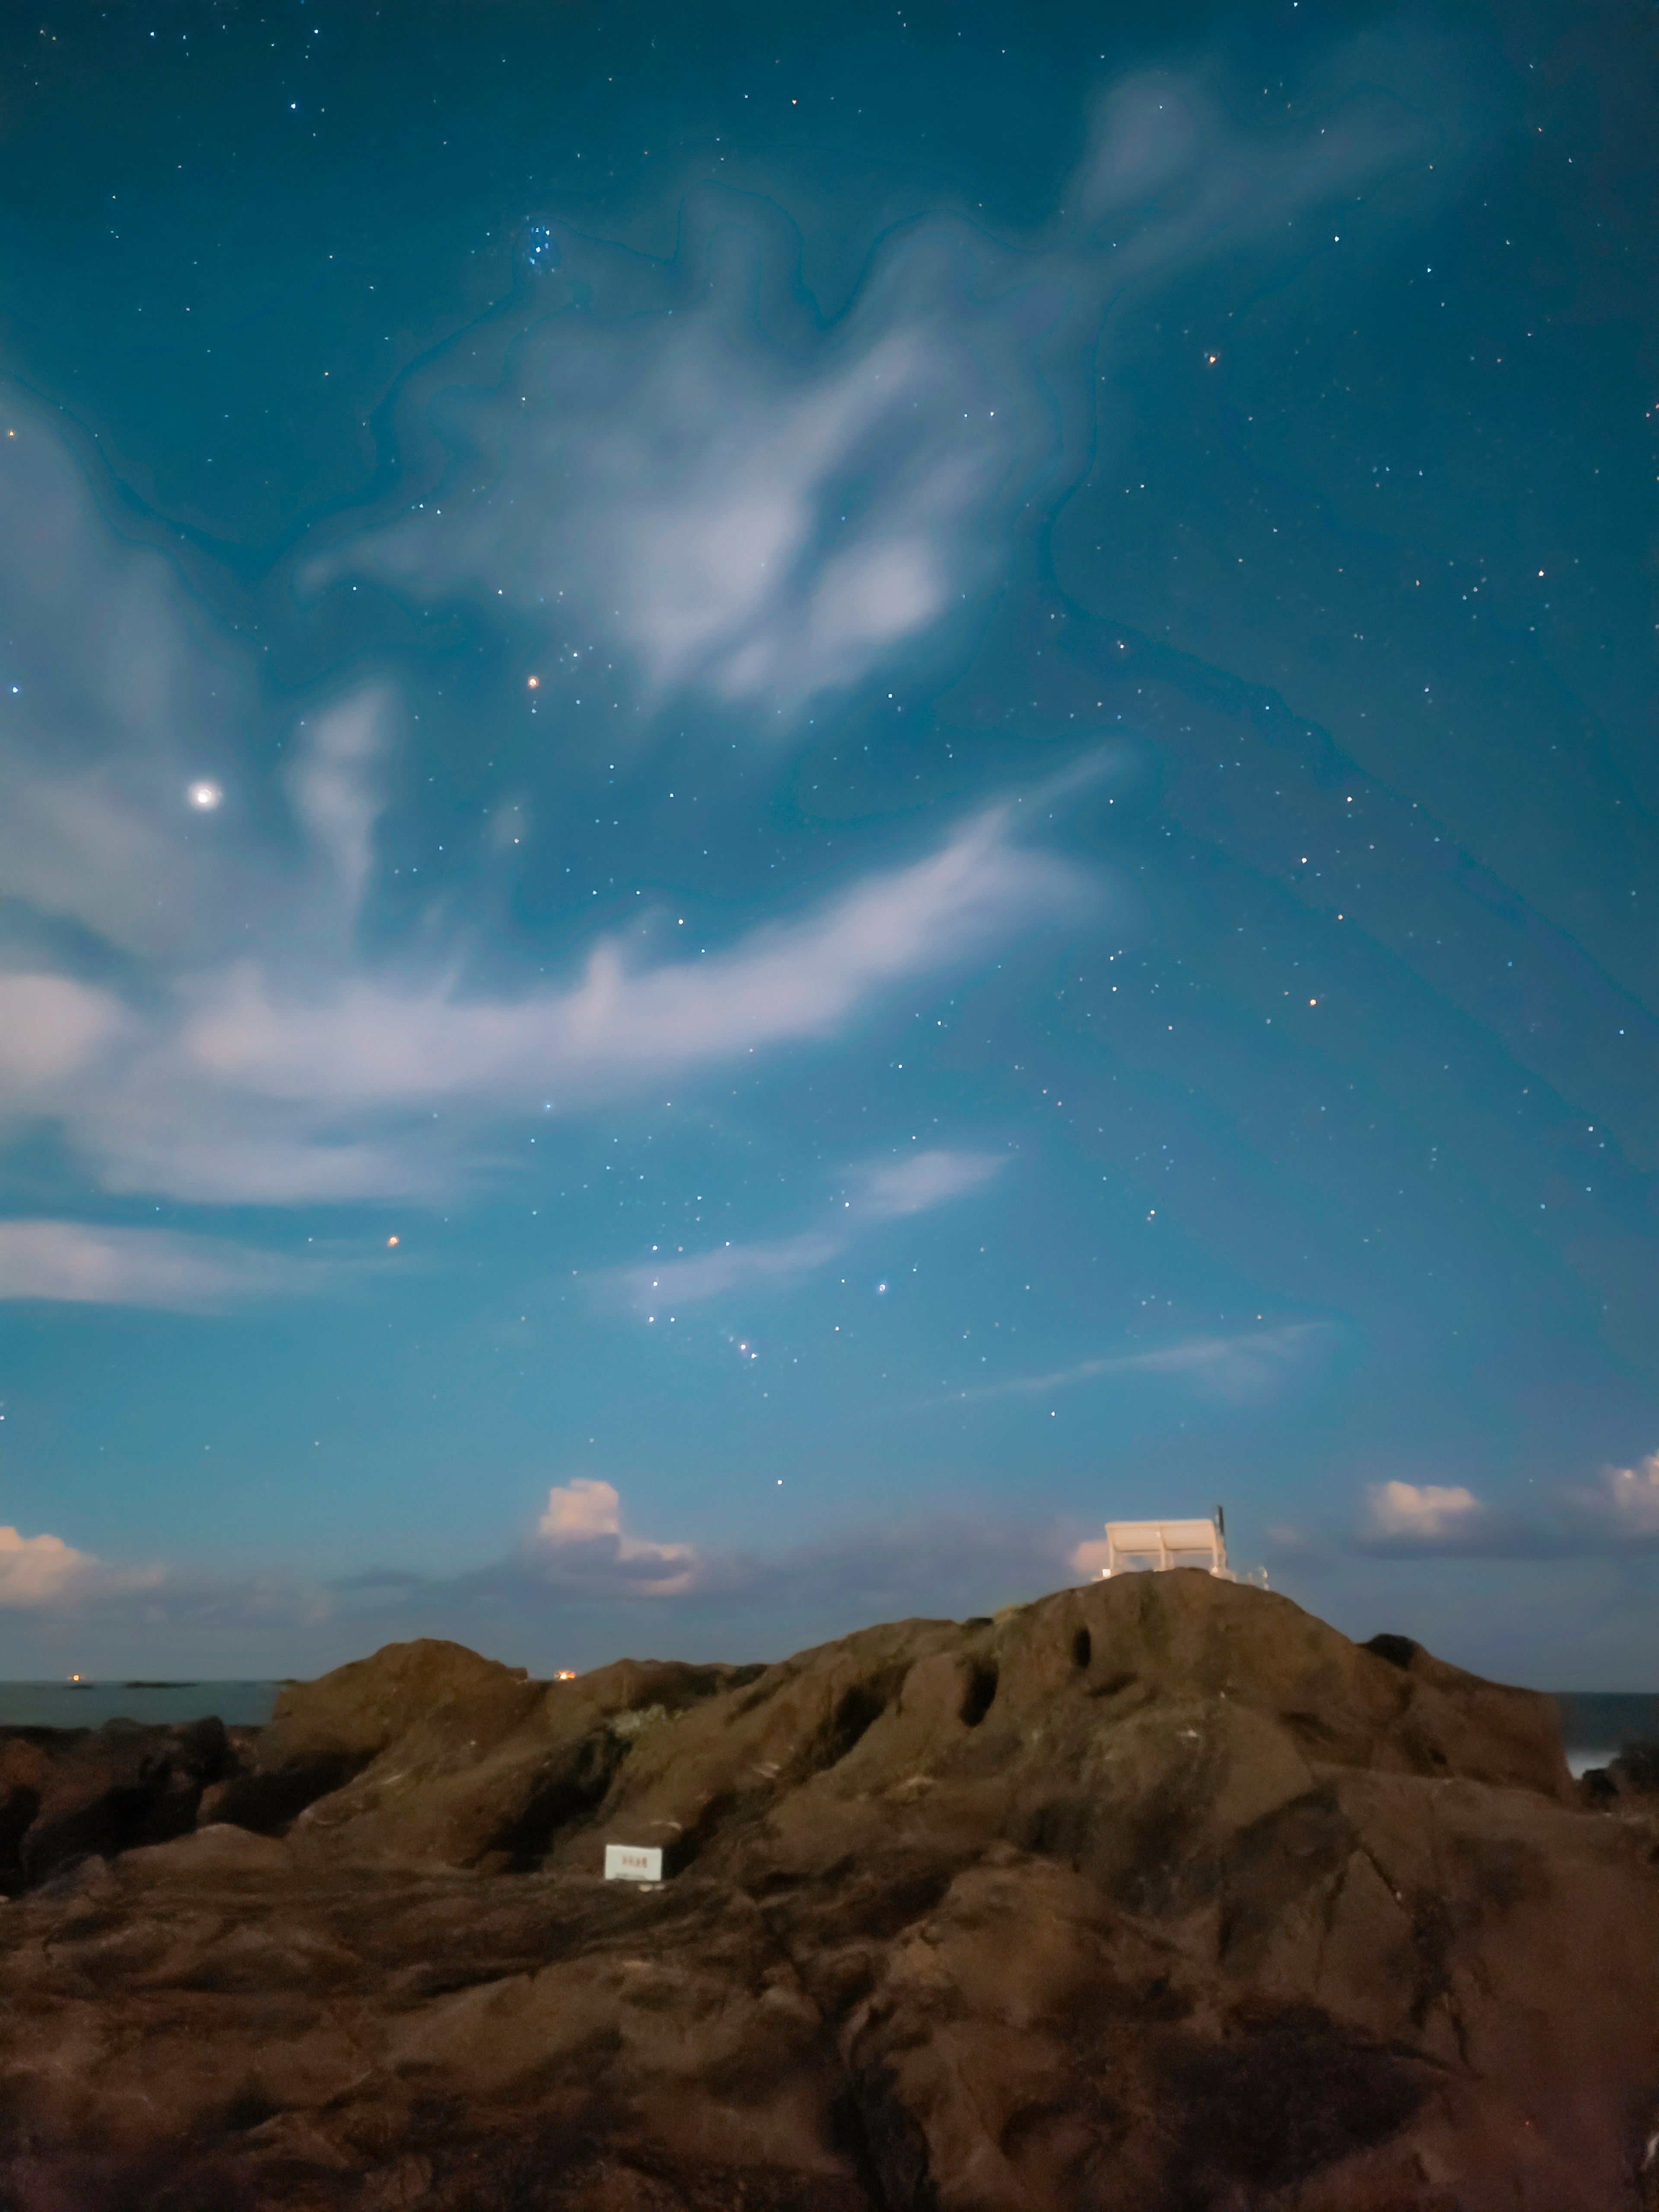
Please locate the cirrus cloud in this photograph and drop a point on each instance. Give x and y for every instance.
(78, 1263)
(883, 1191)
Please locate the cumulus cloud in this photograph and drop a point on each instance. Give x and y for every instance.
(1622, 1507)
(579, 1544)
(1234, 1369)
(1425, 1514)
(946, 1560)
(44, 1570)
(882, 1191)
(35, 1569)
(1619, 1513)
(80, 1264)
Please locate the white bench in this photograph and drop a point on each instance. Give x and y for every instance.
(1138, 1547)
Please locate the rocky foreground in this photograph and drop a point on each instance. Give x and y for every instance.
(1159, 1895)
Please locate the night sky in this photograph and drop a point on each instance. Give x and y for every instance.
(790, 796)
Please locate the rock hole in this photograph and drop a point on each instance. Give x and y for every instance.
(1082, 1648)
(980, 1692)
(887, 2141)
(858, 1709)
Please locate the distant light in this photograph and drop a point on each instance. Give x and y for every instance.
(74, 1678)
(391, 1241)
(565, 1675)
(534, 682)
(206, 796)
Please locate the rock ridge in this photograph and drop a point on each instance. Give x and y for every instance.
(1159, 1893)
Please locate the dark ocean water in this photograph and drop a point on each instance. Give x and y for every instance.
(89, 1704)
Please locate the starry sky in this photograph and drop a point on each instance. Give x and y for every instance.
(790, 796)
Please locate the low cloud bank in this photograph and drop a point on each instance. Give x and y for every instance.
(1618, 1513)
(582, 1586)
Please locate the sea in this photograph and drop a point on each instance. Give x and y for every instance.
(1595, 1723)
(61, 1704)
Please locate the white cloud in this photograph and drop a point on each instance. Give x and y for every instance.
(580, 1541)
(264, 1089)
(35, 1569)
(116, 702)
(885, 1190)
(1235, 1369)
(44, 1571)
(672, 1283)
(924, 1180)
(1624, 1506)
(301, 1072)
(51, 1029)
(364, 1044)
(1424, 1514)
(336, 788)
(762, 532)
(82, 1264)
(726, 493)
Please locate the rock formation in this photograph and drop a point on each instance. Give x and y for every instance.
(1158, 1894)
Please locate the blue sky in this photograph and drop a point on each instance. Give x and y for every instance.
(788, 800)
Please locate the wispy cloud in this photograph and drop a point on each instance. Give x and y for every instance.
(727, 495)
(618, 1027)
(882, 1191)
(337, 786)
(887, 1189)
(267, 1085)
(52, 1030)
(77, 1263)
(672, 1283)
(696, 477)
(1235, 1368)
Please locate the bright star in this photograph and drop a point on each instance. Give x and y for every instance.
(205, 796)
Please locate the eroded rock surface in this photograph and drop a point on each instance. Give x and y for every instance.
(1158, 1894)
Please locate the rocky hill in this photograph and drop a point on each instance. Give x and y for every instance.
(1158, 1894)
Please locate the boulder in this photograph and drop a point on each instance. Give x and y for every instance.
(1159, 1893)
(67, 1794)
(429, 1753)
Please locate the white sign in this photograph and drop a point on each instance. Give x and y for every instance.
(632, 1863)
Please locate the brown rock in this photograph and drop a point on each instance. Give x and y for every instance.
(1158, 1894)
(68, 1793)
